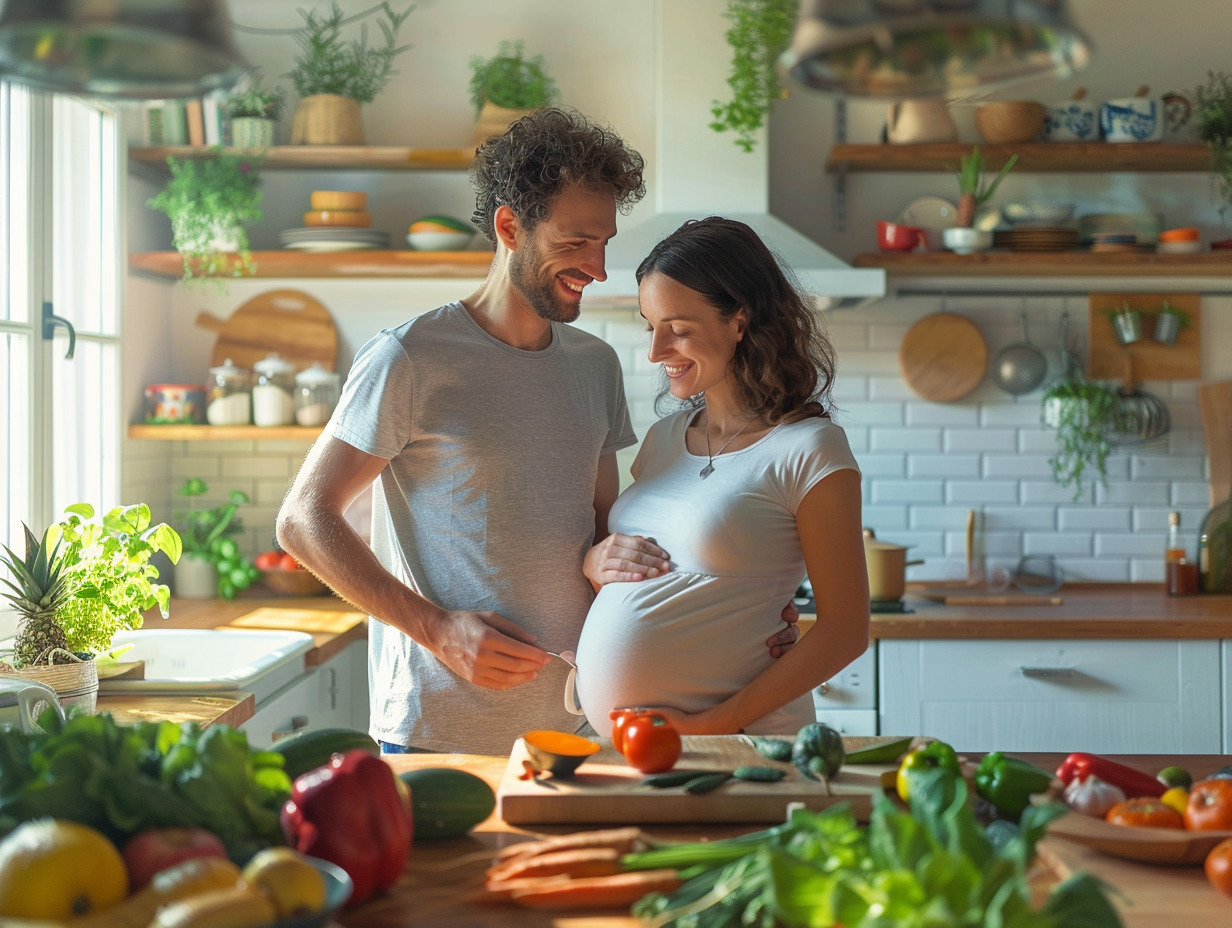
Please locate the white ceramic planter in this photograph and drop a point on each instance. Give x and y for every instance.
(195, 578)
(964, 240)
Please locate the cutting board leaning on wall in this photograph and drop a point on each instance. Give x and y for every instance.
(289, 323)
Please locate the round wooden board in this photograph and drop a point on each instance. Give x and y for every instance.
(943, 357)
(289, 323)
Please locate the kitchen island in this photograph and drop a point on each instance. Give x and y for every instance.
(441, 877)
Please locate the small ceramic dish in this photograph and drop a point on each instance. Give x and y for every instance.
(557, 752)
(1037, 213)
(438, 241)
(1178, 248)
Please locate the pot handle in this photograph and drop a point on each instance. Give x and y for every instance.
(914, 563)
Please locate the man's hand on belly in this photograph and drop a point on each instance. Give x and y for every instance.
(488, 650)
(625, 558)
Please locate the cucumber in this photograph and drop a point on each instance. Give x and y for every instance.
(885, 753)
(313, 748)
(757, 774)
(707, 782)
(447, 802)
(773, 748)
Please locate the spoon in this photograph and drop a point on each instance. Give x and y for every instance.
(567, 656)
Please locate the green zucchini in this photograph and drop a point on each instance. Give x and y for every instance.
(447, 802)
(772, 748)
(670, 778)
(885, 753)
(312, 748)
(759, 774)
(706, 782)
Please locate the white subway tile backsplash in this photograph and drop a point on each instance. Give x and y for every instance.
(882, 465)
(230, 468)
(885, 439)
(907, 491)
(974, 492)
(1096, 570)
(889, 388)
(1038, 491)
(886, 518)
(943, 465)
(944, 414)
(1191, 494)
(1170, 467)
(1025, 518)
(1086, 518)
(979, 439)
(1137, 493)
(870, 414)
(1018, 465)
(1077, 544)
(1137, 543)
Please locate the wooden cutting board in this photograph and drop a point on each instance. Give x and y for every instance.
(335, 622)
(606, 790)
(289, 323)
(1215, 401)
(954, 596)
(943, 357)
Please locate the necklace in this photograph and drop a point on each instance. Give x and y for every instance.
(709, 468)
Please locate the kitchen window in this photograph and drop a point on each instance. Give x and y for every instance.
(59, 245)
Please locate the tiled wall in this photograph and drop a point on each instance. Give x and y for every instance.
(925, 464)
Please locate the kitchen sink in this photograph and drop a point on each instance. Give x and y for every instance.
(211, 661)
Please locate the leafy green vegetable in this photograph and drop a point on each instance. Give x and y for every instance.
(932, 867)
(122, 779)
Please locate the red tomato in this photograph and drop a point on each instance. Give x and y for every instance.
(620, 718)
(1219, 866)
(651, 743)
(1145, 812)
(286, 562)
(1210, 806)
(267, 560)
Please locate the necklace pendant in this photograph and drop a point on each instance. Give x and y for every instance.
(706, 471)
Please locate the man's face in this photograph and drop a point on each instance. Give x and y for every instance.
(564, 253)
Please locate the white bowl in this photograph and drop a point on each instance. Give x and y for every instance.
(963, 240)
(439, 241)
(1037, 214)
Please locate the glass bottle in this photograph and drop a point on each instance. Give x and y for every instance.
(1215, 549)
(228, 398)
(1175, 549)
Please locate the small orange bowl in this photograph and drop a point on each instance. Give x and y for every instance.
(1179, 235)
(558, 752)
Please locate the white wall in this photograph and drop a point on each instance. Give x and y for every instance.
(925, 464)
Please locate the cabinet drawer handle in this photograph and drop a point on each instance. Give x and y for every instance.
(823, 689)
(1046, 673)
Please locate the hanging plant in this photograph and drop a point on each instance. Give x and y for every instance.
(1085, 414)
(759, 34)
(1213, 115)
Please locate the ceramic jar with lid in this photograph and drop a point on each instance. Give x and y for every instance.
(273, 393)
(316, 394)
(228, 398)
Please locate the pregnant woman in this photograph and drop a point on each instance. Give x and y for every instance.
(748, 486)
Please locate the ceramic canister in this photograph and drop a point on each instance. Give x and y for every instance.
(1071, 121)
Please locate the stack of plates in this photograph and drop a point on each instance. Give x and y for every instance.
(1114, 241)
(1031, 239)
(333, 238)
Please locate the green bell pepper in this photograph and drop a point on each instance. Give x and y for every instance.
(1008, 783)
(934, 754)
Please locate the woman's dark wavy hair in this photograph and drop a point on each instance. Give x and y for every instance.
(784, 367)
(543, 153)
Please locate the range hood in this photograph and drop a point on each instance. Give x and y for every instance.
(694, 172)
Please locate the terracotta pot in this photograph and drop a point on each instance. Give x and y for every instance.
(327, 119)
(887, 568)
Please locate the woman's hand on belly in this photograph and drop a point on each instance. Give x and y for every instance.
(708, 722)
(624, 558)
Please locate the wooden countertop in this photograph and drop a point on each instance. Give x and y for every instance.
(438, 886)
(333, 624)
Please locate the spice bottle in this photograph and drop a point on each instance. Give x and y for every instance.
(229, 401)
(316, 394)
(1175, 550)
(273, 394)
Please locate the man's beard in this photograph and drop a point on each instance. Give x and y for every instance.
(538, 287)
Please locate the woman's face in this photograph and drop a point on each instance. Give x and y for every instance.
(688, 336)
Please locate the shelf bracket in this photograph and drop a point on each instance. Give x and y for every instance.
(838, 218)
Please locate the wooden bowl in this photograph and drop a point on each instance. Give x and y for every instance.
(293, 583)
(1006, 122)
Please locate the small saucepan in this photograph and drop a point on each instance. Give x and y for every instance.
(887, 568)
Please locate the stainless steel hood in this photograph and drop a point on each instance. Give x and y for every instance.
(694, 172)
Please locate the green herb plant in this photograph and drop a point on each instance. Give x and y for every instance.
(511, 80)
(1087, 413)
(328, 64)
(1213, 116)
(1182, 318)
(209, 198)
(759, 34)
(974, 188)
(207, 534)
(935, 865)
(256, 102)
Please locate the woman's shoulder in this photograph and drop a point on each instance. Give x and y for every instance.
(817, 435)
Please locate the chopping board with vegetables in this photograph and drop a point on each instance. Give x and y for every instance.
(607, 790)
(289, 323)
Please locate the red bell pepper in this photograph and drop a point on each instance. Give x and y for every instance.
(349, 813)
(1134, 783)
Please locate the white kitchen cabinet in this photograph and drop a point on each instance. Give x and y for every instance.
(1225, 648)
(1114, 696)
(333, 695)
(848, 701)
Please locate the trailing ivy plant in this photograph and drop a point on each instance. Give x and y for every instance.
(759, 34)
(352, 69)
(1087, 413)
(1213, 112)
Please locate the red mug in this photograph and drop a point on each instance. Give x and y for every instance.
(894, 237)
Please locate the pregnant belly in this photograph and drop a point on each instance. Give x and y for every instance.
(686, 641)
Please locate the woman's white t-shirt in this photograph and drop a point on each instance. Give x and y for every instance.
(694, 636)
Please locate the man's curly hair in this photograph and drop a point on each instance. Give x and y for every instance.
(542, 154)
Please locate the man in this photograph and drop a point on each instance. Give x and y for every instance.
(491, 429)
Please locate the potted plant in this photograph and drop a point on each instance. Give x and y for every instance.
(506, 87)
(333, 76)
(79, 584)
(209, 202)
(1085, 414)
(212, 563)
(974, 191)
(253, 112)
(1168, 323)
(1212, 108)
(758, 36)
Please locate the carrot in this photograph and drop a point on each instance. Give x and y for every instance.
(589, 861)
(625, 840)
(620, 890)
(503, 890)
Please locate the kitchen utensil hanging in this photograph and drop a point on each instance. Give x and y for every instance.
(943, 357)
(1141, 417)
(1021, 367)
(1122, 348)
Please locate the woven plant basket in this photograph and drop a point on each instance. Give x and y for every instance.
(76, 683)
(327, 119)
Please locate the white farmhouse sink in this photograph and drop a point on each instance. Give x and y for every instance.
(227, 660)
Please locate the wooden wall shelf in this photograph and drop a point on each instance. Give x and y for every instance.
(1049, 264)
(1067, 157)
(320, 157)
(223, 432)
(356, 264)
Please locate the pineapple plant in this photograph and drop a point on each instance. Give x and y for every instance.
(974, 189)
(40, 588)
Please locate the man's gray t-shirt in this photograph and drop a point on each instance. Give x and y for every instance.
(487, 503)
